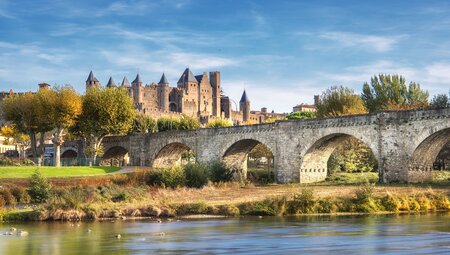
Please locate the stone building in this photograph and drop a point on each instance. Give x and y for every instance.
(307, 107)
(197, 96)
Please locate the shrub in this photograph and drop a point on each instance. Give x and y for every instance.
(365, 199)
(267, 207)
(120, 197)
(8, 197)
(304, 202)
(194, 208)
(40, 188)
(196, 175)
(219, 172)
(327, 205)
(229, 210)
(167, 177)
(21, 195)
(219, 123)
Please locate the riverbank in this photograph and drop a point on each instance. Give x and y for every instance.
(127, 200)
(23, 172)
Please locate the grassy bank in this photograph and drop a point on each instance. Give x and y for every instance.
(49, 171)
(147, 194)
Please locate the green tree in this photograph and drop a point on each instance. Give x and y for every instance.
(389, 92)
(144, 124)
(28, 114)
(338, 101)
(105, 111)
(352, 155)
(301, 115)
(40, 189)
(63, 106)
(440, 101)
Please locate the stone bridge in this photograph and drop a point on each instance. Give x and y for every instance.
(405, 144)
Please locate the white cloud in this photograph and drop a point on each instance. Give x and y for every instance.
(369, 42)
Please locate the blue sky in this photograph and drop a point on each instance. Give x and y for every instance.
(281, 52)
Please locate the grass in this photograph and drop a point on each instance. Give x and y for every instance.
(49, 171)
(351, 178)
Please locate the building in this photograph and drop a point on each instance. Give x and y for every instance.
(307, 107)
(197, 96)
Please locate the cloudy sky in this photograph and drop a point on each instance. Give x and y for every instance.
(281, 52)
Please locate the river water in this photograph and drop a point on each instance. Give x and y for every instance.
(374, 234)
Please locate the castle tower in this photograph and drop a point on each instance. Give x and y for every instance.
(125, 82)
(189, 100)
(111, 83)
(137, 91)
(214, 78)
(92, 81)
(43, 85)
(163, 93)
(244, 107)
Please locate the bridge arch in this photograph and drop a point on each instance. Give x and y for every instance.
(115, 156)
(314, 164)
(236, 155)
(425, 154)
(172, 154)
(69, 153)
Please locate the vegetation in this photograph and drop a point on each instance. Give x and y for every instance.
(106, 111)
(196, 175)
(143, 123)
(40, 188)
(62, 107)
(352, 155)
(177, 123)
(301, 115)
(219, 122)
(27, 171)
(167, 177)
(219, 172)
(389, 92)
(440, 101)
(339, 101)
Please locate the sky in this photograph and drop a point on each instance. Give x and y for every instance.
(281, 52)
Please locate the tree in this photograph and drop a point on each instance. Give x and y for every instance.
(440, 101)
(144, 124)
(386, 92)
(300, 115)
(105, 111)
(338, 101)
(13, 136)
(29, 117)
(63, 106)
(352, 155)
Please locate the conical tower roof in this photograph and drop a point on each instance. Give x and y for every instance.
(163, 80)
(125, 82)
(244, 98)
(137, 80)
(91, 77)
(187, 76)
(111, 83)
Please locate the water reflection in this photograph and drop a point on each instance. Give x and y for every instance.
(375, 234)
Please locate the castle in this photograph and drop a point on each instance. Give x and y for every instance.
(195, 95)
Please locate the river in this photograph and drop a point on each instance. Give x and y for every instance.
(369, 234)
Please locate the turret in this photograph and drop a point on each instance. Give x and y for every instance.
(137, 90)
(43, 85)
(163, 93)
(111, 83)
(92, 81)
(244, 107)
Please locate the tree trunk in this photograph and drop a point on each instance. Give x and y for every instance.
(33, 146)
(41, 150)
(57, 141)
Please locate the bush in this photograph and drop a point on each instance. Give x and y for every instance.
(21, 195)
(40, 188)
(196, 175)
(219, 172)
(365, 199)
(120, 197)
(304, 202)
(8, 197)
(167, 177)
(219, 123)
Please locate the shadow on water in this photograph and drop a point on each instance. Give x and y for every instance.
(368, 234)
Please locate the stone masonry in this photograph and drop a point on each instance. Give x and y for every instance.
(405, 143)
